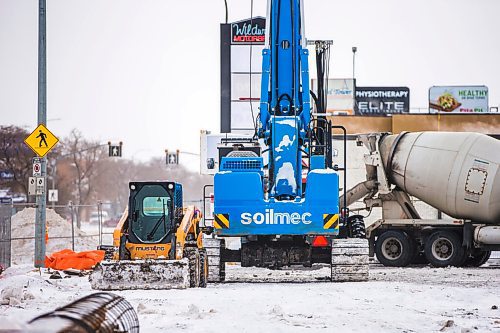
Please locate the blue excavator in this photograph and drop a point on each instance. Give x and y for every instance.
(287, 211)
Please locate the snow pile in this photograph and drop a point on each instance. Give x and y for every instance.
(19, 289)
(23, 226)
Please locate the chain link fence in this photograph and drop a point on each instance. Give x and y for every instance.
(5, 237)
(75, 227)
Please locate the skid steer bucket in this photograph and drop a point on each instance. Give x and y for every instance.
(140, 274)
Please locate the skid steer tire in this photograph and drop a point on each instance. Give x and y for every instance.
(203, 268)
(357, 227)
(216, 266)
(193, 256)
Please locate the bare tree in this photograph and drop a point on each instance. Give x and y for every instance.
(15, 158)
(112, 178)
(192, 182)
(82, 157)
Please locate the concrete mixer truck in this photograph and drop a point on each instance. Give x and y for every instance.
(456, 173)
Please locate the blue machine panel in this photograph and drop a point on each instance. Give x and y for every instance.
(242, 209)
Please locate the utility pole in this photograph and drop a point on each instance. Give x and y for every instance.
(41, 200)
(354, 49)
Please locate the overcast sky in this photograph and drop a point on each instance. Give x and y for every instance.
(146, 72)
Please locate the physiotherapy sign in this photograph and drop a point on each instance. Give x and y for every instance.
(251, 31)
(458, 99)
(376, 101)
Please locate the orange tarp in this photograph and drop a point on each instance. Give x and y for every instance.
(67, 259)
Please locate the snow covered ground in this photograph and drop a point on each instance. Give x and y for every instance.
(421, 299)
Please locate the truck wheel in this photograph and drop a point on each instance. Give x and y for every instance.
(477, 259)
(193, 256)
(394, 248)
(203, 268)
(444, 248)
(357, 227)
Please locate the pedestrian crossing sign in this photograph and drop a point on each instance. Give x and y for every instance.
(41, 140)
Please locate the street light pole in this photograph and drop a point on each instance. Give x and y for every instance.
(354, 49)
(41, 200)
(225, 4)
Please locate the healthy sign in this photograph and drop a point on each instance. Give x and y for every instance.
(458, 99)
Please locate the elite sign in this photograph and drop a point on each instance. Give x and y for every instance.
(375, 101)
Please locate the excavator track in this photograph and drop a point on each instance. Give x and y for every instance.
(350, 260)
(216, 267)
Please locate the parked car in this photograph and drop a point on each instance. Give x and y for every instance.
(94, 217)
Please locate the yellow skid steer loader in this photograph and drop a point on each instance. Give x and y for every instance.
(157, 243)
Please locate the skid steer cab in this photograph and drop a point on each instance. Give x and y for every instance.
(157, 243)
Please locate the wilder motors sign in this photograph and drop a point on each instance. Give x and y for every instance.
(377, 101)
(252, 31)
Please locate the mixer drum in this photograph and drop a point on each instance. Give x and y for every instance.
(456, 172)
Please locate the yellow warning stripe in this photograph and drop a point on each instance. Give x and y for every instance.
(224, 218)
(329, 221)
(221, 221)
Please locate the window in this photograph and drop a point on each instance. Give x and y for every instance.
(155, 206)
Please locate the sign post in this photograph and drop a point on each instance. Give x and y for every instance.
(41, 140)
(42, 120)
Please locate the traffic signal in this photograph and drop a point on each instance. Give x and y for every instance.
(171, 158)
(115, 150)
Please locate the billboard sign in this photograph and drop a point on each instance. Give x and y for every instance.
(340, 95)
(380, 101)
(251, 31)
(458, 99)
(6, 175)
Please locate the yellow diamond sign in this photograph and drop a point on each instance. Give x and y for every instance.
(41, 140)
